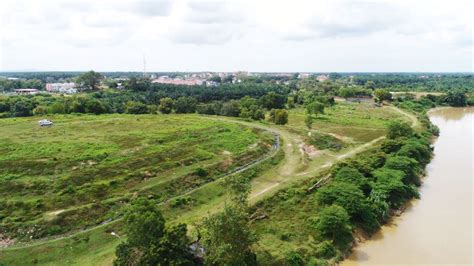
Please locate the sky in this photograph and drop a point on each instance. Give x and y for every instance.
(245, 35)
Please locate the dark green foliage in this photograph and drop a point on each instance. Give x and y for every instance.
(227, 238)
(89, 80)
(408, 165)
(382, 95)
(352, 199)
(254, 112)
(333, 224)
(279, 116)
(133, 107)
(367, 162)
(397, 129)
(95, 107)
(294, 258)
(149, 242)
(456, 98)
(416, 149)
(325, 250)
(352, 176)
(166, 105)
(392, 145)
(389, 184)
(415, 82)
(230, 108)
(185, 105)
(314, 108)
(273, 100)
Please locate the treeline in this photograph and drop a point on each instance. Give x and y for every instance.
(454, 98)
(7, 85)
(223, 92)
(144, 103)
(417, 81)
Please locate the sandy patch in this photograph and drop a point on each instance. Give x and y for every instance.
(310, 150)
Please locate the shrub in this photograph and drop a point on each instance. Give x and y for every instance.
(279, 116)
(397, 129)
(325, 250)
(351, 175)
(408, 165)
(294, 258)
(133, 107)
(323, 141)
(333, 224)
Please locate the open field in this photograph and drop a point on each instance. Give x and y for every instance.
(357, 126)
(81, 171)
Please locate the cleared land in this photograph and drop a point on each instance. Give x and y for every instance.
(81, 171)
(354, 126)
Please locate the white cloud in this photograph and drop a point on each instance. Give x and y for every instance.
(259, 35)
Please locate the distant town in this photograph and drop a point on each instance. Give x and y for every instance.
(210, 79)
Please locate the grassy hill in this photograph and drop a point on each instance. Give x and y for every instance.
(86, 168)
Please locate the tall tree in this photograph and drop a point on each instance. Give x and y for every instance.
(227, 237)
(149, 242)
(382, 95)
(166, 105)
(89, 80)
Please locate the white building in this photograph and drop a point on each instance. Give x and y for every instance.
(68, 88)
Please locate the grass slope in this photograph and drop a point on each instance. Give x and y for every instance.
(348, 122)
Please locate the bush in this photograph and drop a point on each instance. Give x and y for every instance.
(333, 224)
(323, 141)
(397, 129)
(389, 185)
(352, 176)
(133, 107)
(185, 105)
(408, 165)
(279, 116)
(351, 198)
(416, 149)
(166, 105)
(325, 250)
(294, 258)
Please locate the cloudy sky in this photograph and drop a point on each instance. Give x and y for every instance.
(252, 35)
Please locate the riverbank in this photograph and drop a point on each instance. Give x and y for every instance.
(436, 229)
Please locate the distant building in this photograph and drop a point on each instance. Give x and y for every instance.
(68, 88)
(303, 75)
(322, 78)
(179, 81)
(26, 91)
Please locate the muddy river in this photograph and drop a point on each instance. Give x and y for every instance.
(437, 228)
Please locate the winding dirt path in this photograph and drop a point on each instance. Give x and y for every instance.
(293, 168)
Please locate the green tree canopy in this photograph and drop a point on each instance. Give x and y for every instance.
(227, 238)
(166, 105)
(397, 129)
(333, 224)
(382, 95)
(186, 104)
(279, 116)
(149, 242)
(89, 80)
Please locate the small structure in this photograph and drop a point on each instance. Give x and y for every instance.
(359, 99)
(26, 91)
(45, 123)
(67, 88)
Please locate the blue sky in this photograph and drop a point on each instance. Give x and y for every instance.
(258, 35)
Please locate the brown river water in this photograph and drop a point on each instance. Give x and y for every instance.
(436, 229)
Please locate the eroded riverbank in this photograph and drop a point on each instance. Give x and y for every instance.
(437, 228)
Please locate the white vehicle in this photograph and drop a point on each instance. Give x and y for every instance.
(45, 122)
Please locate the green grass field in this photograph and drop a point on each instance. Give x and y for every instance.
(160, 157)
(79, 172)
